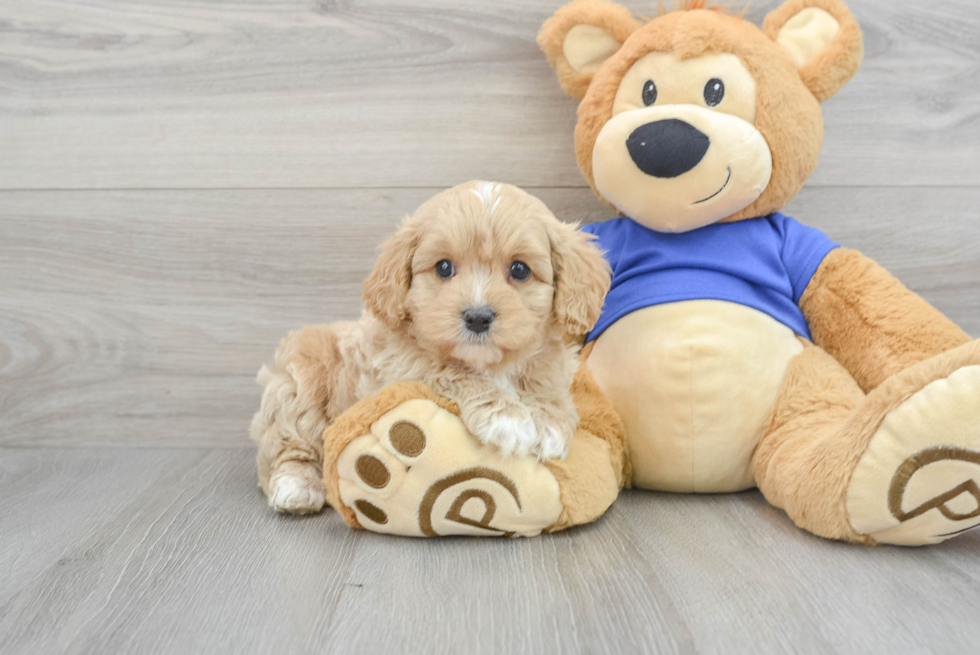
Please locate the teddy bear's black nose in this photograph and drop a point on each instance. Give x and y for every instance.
(667, 148)
(478, 319)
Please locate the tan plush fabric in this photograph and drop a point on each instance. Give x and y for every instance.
(586, 48)
(821, 428)
(587, 481)
(420, 473)
(787, 113)
(598, 417)
(694, 383)
(613, 19)
(807, 34)
(737, 151)
(826, 73)
(805, 459)
(794, 137)
(908, 489)
(870, 322)
(356, 422)
(587, 486)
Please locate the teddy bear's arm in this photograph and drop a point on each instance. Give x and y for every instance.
(870, 322)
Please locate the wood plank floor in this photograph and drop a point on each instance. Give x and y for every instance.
(181, 183)
(110, 550)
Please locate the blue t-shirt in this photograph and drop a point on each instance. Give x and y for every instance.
(764, 263)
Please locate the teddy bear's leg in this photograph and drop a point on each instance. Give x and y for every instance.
(416, 471)
(918, 480)
(403, 463)
(288, 426)
(802, 464)
(900, 465)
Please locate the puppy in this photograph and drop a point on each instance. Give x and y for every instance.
(473, 295)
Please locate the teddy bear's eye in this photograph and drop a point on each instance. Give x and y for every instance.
(714, 91)
(649, 93)
(445, 269)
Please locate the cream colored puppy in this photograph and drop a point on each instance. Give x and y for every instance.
(474, 296)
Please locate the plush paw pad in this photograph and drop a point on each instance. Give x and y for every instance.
(919, 481)
(420, 473)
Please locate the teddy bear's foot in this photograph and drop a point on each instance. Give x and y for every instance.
(418, 472)
(918, 482)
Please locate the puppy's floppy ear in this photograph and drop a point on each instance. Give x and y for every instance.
(582, 278)
(822, 38)
(386, 288)
(580, 37)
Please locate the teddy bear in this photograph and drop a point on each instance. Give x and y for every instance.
(737, 348)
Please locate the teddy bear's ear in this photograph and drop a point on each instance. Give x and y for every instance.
(822, 38)
(580, 37)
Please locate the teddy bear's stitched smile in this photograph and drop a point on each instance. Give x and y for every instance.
(723, 186)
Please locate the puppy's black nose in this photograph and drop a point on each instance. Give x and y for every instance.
(478, 319)
(667, 148)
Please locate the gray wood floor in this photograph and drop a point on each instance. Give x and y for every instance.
(182, 182)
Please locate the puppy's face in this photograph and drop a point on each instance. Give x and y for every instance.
(482, 274)
(482, 278)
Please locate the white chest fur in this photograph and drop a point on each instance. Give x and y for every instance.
(694, 383)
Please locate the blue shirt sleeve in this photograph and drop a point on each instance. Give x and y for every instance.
(608, 238)
(804, 249)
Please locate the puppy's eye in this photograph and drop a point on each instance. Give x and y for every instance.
(649, 93)
(520, 271)
(714, 91)
(445, 269)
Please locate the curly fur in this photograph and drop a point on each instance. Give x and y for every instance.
(513, 383)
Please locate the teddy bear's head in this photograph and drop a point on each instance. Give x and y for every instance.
(698, 116)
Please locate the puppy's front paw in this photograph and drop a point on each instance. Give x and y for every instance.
(510, 428)
(295, 495)
(552, 443)
(512, 435)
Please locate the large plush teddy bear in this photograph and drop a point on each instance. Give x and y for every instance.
(737, 348)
